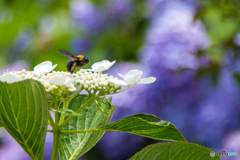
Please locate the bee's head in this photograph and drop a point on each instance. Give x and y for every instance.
(85, 60)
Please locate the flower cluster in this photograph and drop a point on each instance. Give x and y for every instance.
(171, 44)
(59, 83)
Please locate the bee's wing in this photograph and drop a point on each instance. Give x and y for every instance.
(69, 55)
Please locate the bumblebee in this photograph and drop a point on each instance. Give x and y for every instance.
(75, 61)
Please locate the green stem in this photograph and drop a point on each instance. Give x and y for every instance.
(99, 107)
(50, 104)
(74, 94)
(51, 122)
(56, 114)
(59, 123)
(56, 134)
(78, 111)
(66, 102)
(65, 105)
(56, 140)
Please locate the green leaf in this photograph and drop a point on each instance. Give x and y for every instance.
(74, 145)
(23, 112)
(1, 124)
(174, 151)
(67, 112)
(146, 125)
(236, 76)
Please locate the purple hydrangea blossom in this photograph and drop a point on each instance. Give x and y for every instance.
(119, 8)
(237, 39)
(81, 45)
(87, 16)
(119, 145)
(173, 37)
(218, 113)
(154, 5)
(23, 40)
(21, 43)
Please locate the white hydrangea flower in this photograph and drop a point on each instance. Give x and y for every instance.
(147, 80)
(102, 66)
(133, 77)
(59, 83)
(10, 78)
(118, 82)
(44, 67)
(62, 80)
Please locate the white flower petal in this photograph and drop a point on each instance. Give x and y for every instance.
(98, 65)
(99, 69)
(54, 66)
(71, 80)
(58, 80)
(44, 67)
(132, 77)
(62, 80)
(109, 65)
(9, 78)
(102, 66)
(118, 82)
(121, 75)
(147, 80)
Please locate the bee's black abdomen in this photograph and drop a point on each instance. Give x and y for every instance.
(71, 65)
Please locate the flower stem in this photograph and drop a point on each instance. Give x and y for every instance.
(66, 102)
(75, 94)
(50, 104)
(56, 134)
(56, 140)
(65, 105)
(99, 107)
(77, 111)
(50, 120)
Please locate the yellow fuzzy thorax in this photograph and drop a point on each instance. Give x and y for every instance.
(79, 57)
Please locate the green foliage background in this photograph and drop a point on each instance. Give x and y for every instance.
(121, 41)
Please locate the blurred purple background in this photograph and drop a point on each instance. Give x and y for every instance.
(205, 113)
